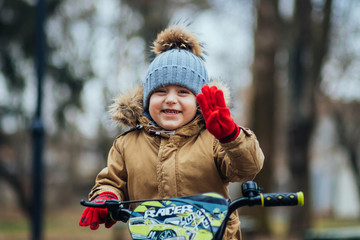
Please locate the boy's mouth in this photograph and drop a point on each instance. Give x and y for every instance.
(171, 111)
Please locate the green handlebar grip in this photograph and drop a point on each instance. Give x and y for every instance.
(282, 199)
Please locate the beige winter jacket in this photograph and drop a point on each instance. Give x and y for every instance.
(148, 162)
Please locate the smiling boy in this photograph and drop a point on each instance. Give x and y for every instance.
(173, 148)
(172, 106)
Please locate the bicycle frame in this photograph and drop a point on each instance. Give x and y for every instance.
(203, 216)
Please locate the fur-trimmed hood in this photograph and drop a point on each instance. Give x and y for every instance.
(127, 109)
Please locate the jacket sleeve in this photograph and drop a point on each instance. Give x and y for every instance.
(113, 177)
(241, 159)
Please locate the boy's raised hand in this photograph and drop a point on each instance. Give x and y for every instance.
(217, 115)
(94, 216)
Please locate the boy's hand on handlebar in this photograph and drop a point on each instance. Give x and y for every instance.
(217, 115)
(94, 216)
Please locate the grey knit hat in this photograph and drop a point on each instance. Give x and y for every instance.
(178, 61)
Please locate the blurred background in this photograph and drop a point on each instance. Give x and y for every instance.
(292, 67)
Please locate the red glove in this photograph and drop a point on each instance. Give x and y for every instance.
(217, 116)
(95, 216)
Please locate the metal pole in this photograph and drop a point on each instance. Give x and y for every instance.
(38, 130)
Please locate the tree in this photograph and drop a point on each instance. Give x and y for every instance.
(305, 39)
(264, 90)
(308, 48)
(157, 15)
(17, 55)
(340, 83)
(347, 119)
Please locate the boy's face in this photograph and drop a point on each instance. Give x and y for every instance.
(172, 106)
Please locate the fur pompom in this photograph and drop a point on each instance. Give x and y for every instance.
(177, 37)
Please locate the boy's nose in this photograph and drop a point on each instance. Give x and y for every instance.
(170, 99)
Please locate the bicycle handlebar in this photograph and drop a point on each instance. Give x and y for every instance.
(254, 197)
(251, 196)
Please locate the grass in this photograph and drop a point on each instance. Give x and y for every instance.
(59, 224)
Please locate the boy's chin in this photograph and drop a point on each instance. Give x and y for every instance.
(170, 126)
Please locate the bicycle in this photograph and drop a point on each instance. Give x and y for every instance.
(202, 216)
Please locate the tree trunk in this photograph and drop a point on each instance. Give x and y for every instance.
(156, 15)
(347, 122)
(308, 48)
(264, 89)
(18, 187)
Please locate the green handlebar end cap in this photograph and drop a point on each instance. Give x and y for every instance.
(300, 198)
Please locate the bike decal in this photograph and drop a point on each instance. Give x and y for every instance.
(188, 218)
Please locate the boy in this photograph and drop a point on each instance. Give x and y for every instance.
(173, 148)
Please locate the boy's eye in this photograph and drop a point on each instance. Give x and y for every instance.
(160, 90)
(184, 91)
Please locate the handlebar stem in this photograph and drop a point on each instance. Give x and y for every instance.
(240, 202)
